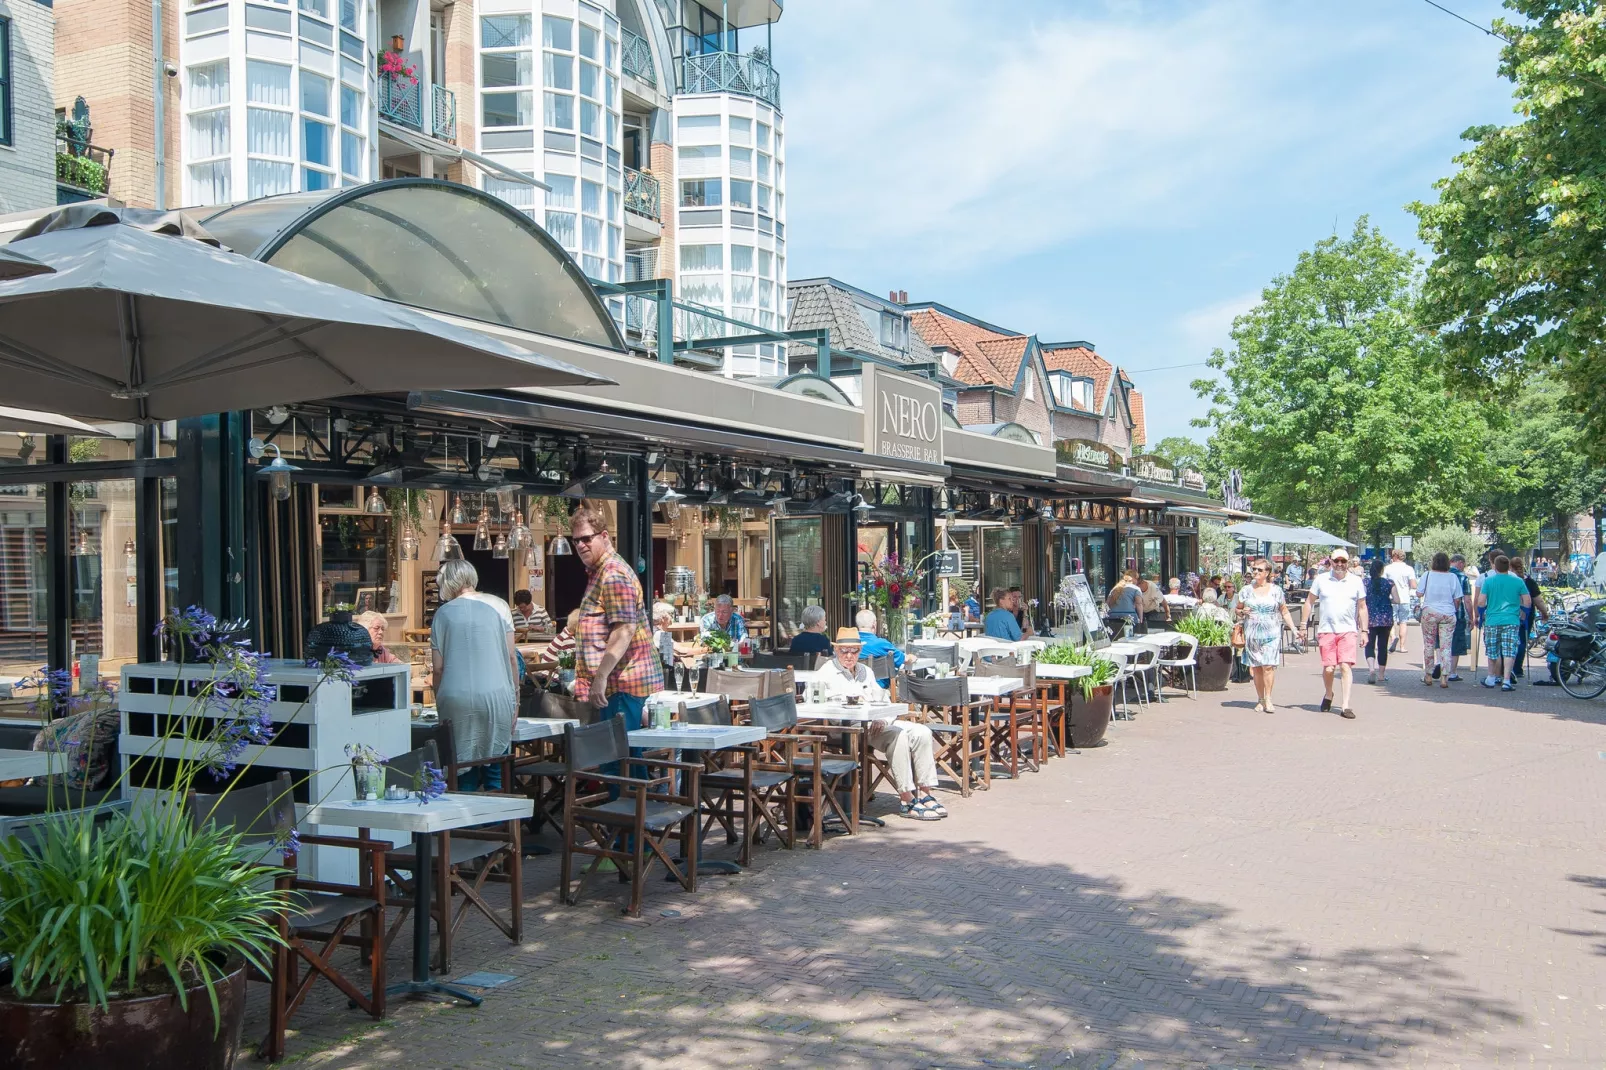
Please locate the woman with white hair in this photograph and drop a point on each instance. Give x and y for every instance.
(375, 623)
(472, 647)
(663, 640)
(812, 639)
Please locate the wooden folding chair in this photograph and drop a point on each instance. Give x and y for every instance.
(958, 728)
(633, 829)
(322, 914)
(539, 768)
(819, 777)
(757, 786)
(1019, 719)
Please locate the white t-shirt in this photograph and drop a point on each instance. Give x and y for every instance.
(1335, 601)
(1439, 592)
(1403, 577)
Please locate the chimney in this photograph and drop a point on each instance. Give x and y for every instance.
(892, 295)
(898, 297)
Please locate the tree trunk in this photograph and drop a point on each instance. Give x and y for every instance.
(1563, 542)
(1353, 531)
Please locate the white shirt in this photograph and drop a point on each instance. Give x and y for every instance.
(1335, 601)
(838, 682)
(1403, 577)
(1440, 591)
(1599, 575)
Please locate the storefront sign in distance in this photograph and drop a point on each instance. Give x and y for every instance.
(1087, 453)
(902, 417)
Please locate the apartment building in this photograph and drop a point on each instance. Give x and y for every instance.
(645, 136)
(27, 119)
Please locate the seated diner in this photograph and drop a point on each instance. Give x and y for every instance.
(1001, 622)
(812, 639)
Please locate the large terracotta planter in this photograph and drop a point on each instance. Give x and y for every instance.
(149, 1033)
(1090, 716)
(1215, 666)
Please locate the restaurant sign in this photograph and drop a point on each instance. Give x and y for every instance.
(1087, 453)
(1232, 493)
(1193, 480)
(902, 417)
(1152, 469)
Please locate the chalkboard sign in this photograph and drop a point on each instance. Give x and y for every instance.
(948, 564)
(1086, 612)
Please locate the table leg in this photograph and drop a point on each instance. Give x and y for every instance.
(715, 866)
(421, 983)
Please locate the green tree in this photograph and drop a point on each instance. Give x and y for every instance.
(1450, 538)
(1182, 451)
(1543, 472)
(1518, 279)
(1333, 405)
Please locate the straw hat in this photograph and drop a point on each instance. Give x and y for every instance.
(847, 637)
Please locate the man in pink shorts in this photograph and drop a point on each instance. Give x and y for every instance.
(1339, 599)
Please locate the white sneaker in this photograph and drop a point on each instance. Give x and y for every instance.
(1490, 681)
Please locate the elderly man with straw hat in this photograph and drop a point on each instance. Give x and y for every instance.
(907, 744)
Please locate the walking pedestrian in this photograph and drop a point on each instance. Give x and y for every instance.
(472, 655)
(1443, 608)
(1503, 598)
(616, 664)
(1403, 577)
(1537, 609)
(1339, 600)
(1461, 644)
(1263, 609)
(1379, 621)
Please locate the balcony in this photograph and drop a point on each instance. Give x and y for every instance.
(402, 102)
(636, 58)
(641, 194)
(83, 171)
(726, 72)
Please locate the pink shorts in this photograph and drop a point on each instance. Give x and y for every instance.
(1338, 648)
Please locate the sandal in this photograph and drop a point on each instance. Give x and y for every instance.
(930, 803)
(1260, 707)
(917, 812)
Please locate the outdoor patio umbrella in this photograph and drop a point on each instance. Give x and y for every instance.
(46, 423)
(1308, 536)
(146, 319)
(14, 265)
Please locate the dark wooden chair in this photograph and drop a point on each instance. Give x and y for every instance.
(781, 660)
(633, 829)
(824, 781)
(468, 859)
(539, 769)
(323, 914)
(958, 726)
(1020, 719)
(765, 788)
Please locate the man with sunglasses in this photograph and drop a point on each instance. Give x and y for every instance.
(616, 666)
(1339, 599)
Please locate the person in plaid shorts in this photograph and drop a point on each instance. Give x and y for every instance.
(1503, 598)
(616, 665)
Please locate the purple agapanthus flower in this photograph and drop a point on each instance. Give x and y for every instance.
(289, 843)
(337, 666)
(431, 783)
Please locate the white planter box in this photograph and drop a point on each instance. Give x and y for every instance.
(312, 724)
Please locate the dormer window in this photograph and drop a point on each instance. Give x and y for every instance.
(950, 359)
(1072, 391)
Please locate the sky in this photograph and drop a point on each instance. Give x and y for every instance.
(1128, 172)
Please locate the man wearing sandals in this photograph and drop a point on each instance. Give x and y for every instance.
(907, 744)
(1339, 599)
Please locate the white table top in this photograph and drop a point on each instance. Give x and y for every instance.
(1062, 672)
(528, 729)
(696, 737)
(453, 810)
(694, 699)
(995, 686)
(836, 711)
(1157, 638)
(17, 764)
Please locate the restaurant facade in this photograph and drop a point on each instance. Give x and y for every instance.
(777, 494)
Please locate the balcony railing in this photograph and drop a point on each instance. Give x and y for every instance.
(83, 166)
(636, 57)
(726, 72)
(641, 194)
(402, 102)
(444, 112)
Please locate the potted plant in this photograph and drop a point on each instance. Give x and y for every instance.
(718, 643)
(128, 933)
(1092, 701)
(1215, 650)
(394, 66)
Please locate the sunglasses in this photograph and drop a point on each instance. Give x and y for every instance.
(585, 540)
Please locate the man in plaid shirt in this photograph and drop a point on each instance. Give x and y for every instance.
(616, 667)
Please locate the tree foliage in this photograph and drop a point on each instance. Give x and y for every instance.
(1452, 539)
(1518, 279)
(1333, 405)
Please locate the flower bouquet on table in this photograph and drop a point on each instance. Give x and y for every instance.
(893, 588)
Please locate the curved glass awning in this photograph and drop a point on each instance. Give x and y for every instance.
(810, 385)
(423, 242)
(1009, 431)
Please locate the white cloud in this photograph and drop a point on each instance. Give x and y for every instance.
(1207, 328)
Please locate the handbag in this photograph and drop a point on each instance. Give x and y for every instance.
(1238, 635)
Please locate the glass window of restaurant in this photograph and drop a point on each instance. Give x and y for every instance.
(1143, 553)
(1087, 548)
(1000, 561)
(799, 572)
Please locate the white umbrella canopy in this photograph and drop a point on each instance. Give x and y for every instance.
(14, 265)
(30, 422)
(144, 319)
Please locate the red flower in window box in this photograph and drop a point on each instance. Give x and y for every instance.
(394, 66)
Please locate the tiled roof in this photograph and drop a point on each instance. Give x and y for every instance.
(1081, 361)
(986, 358)
(1140, 432)
(818, 305)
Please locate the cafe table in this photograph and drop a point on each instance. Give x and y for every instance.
(692, 700)
(707, 738)
(21, 764)
(453, 810)
(530, 729)
(865, 714)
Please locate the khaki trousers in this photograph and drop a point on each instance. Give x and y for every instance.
(907, 746)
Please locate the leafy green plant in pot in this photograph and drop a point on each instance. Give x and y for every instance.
(1093, 695)
(128, 932)
(1215, 650)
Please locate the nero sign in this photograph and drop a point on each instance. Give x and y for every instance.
(902, 417)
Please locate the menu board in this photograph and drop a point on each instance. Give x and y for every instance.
(1086, 610)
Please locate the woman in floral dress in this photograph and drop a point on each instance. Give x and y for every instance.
(1263, 611)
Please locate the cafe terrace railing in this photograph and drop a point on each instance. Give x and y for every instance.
(443, 113)
(726, 72)
(402, 102)
(641, 193)
(635, 57)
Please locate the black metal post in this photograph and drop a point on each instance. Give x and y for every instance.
(58, 563)
(148, 549)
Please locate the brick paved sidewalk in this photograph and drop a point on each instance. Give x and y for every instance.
(1417, 887)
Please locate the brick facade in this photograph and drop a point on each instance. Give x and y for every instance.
(459, 78)
(28, 163)
(104, 54)
(662, 155)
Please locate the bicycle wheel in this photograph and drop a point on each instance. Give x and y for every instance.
(1586, 678)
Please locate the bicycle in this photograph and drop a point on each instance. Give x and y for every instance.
(1580, 661)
